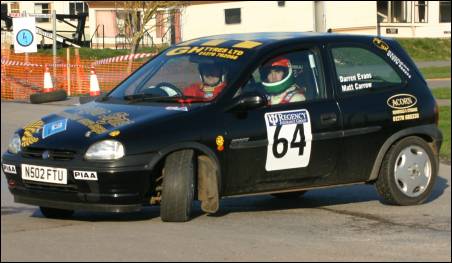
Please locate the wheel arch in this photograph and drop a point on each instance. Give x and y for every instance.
(198, 148)
(430, 133)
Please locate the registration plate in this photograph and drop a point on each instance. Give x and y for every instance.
(44, 174)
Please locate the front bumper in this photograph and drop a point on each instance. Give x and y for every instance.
(122, 186)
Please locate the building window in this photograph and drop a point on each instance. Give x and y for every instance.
(420, 11)
(4, 10)
(397, 11)
(42, 8)
(122, 22)
(4, 13)
(15, 8)
(444, 11)
(400, 11)
(281, 3)
(232, 16)
(383, 11)
(76, 8)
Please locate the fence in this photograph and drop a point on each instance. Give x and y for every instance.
(23, 75)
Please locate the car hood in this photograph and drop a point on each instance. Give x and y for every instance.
(77, 128)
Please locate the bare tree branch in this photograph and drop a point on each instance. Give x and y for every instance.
(137, 17)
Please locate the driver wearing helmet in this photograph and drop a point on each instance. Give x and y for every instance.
(279, 82)
(212, 77)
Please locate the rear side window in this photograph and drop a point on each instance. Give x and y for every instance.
(360, 69)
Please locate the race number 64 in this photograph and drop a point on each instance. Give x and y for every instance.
(289, 139)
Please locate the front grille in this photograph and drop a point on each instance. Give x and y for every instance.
(46, 186)
(37, 153)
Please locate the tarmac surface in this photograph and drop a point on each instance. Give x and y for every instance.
(341, 224)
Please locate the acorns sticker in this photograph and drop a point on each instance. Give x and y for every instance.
(403, 107)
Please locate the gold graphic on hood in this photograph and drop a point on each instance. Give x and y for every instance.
(28, 138)
(99, 118)
(115, 119)
(94, 127)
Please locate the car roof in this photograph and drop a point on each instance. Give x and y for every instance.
(263, 39)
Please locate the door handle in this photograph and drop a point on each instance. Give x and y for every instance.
(328, 118)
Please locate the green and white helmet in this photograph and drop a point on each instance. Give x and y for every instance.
(281, 64)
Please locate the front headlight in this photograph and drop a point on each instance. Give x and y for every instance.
(105, 150)
(14, 144)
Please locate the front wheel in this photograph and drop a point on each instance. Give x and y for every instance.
(408, 172)
(178, 187)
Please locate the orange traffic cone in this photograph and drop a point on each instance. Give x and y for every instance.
(48, 86)
(94, 89)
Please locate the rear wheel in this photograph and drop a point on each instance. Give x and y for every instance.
(56, 213)
(408, 172)
(178, 187)
(289, 195)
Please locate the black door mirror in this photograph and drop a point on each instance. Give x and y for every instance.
(247, 101)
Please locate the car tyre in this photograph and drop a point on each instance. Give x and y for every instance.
(289, 195)
(404, 179)
(56, 213)
(38, 98)
(178, 187)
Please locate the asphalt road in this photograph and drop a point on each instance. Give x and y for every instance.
(342, 224)
(438, 63)
(438, 83)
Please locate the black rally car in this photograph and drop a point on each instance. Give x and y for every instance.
(229, 115)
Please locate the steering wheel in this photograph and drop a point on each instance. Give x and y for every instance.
(169, 89)
(163, 89)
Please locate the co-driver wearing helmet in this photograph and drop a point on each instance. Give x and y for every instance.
(279, 82)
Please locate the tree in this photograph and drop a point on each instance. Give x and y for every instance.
(136, 15)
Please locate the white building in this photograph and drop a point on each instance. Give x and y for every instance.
(105, 25)
(202, 19)
(430, 19)
(414, 18)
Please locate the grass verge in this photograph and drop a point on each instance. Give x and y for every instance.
(426, 49)
(444, 125)
(441, 93)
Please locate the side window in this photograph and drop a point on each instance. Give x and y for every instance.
(360, 69)
(289, 78)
